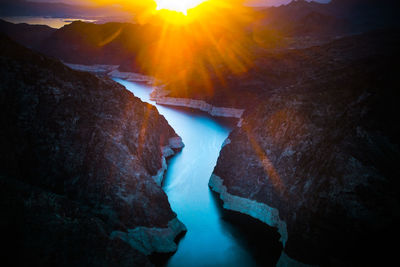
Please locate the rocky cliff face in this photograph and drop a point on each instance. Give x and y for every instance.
(317, 155)
(79, 155)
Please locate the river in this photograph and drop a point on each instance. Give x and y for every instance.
(210, 240)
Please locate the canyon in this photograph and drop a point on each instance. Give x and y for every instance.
(313, 155)
(285, 166)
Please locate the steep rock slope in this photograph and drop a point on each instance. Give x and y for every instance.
(317, 155)
(78, 159)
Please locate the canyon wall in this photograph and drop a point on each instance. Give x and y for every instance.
(79, 157)
(317, 156)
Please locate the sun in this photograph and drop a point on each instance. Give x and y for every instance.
(181, 6)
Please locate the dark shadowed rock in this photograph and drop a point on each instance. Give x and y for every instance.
(317, 155)
(49, 229)
(78, 156)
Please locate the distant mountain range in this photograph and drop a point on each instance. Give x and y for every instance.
(29, 35)
(299, 24)
(62, 10)
(338, 17)
(122, 43)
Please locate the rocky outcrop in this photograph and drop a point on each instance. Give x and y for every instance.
(78, 158)
(149, 240)
(319, 152)
(175, 144)
(252, 208)
(132, 77)
(98, 69)
(200, 105)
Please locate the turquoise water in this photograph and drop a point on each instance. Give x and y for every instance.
(210, 241)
